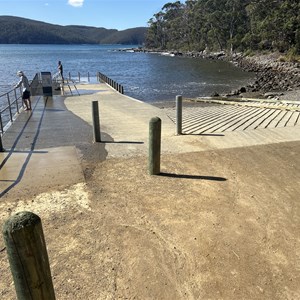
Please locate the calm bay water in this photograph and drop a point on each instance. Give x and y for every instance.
(146, 76)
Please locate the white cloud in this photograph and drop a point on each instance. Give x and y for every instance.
(76, 3)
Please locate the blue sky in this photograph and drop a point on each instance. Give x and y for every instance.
(110, 14)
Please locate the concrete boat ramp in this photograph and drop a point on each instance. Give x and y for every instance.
(48, 143)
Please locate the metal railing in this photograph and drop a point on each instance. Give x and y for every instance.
(115, 85)
(78, 77)
(10, 104)
(100, 77)
(11, 101)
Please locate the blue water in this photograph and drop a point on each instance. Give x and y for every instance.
(146, 76)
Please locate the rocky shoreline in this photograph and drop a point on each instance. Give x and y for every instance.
(275, 77)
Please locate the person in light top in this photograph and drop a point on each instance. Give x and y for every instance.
(25, 89)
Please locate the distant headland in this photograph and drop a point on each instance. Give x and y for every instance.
(16, 30)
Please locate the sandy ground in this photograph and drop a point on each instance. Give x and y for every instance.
(221, 224)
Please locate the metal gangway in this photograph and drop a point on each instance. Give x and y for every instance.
(11, 103)
(59, 83)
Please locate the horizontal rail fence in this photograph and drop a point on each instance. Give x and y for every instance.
(10, 104)
(118, 87)
(78, 77)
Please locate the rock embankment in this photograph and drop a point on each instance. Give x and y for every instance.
(272, 73)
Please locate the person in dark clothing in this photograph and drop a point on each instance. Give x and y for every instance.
(60, 70)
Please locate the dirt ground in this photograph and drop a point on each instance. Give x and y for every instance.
(221, 224)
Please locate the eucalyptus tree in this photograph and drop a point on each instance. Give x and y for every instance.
(173, 24)
(165, 28)
(155, 36)
(236, 21)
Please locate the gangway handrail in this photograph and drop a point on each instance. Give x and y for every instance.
(13, 98)
(9, 111)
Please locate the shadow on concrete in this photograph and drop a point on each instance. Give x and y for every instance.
(199, 177)
(204, 134)
(121, 142)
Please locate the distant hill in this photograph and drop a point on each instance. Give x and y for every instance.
(15, 30)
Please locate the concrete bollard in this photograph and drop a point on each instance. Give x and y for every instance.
(154, 146)
(96, 121)
(28, 258)
(178, 115)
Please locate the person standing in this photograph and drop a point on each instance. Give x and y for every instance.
(60, 70)
(25, 89)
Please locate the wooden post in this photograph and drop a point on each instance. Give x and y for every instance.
(96, 121)
(178, 115)
(28, 258)
(154, 145)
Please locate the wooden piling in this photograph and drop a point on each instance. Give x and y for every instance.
(96, 121)
(154, 146)
(178, 115)
(28, 258)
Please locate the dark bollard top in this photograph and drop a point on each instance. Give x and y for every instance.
(20, 220)
(155, 119)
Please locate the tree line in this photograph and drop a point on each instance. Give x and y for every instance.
(226, 25)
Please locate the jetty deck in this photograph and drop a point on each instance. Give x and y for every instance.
(45, 143)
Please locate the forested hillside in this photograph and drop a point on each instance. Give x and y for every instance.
(227, 25)
(15, 30)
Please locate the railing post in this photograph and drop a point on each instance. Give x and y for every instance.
(10, 113)
(178, 115)
(1, 123)
(69, 75)
(78, 76)
(1, 144)
(154, 146)
(96, 121)
(28, 258)
(16, 99)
